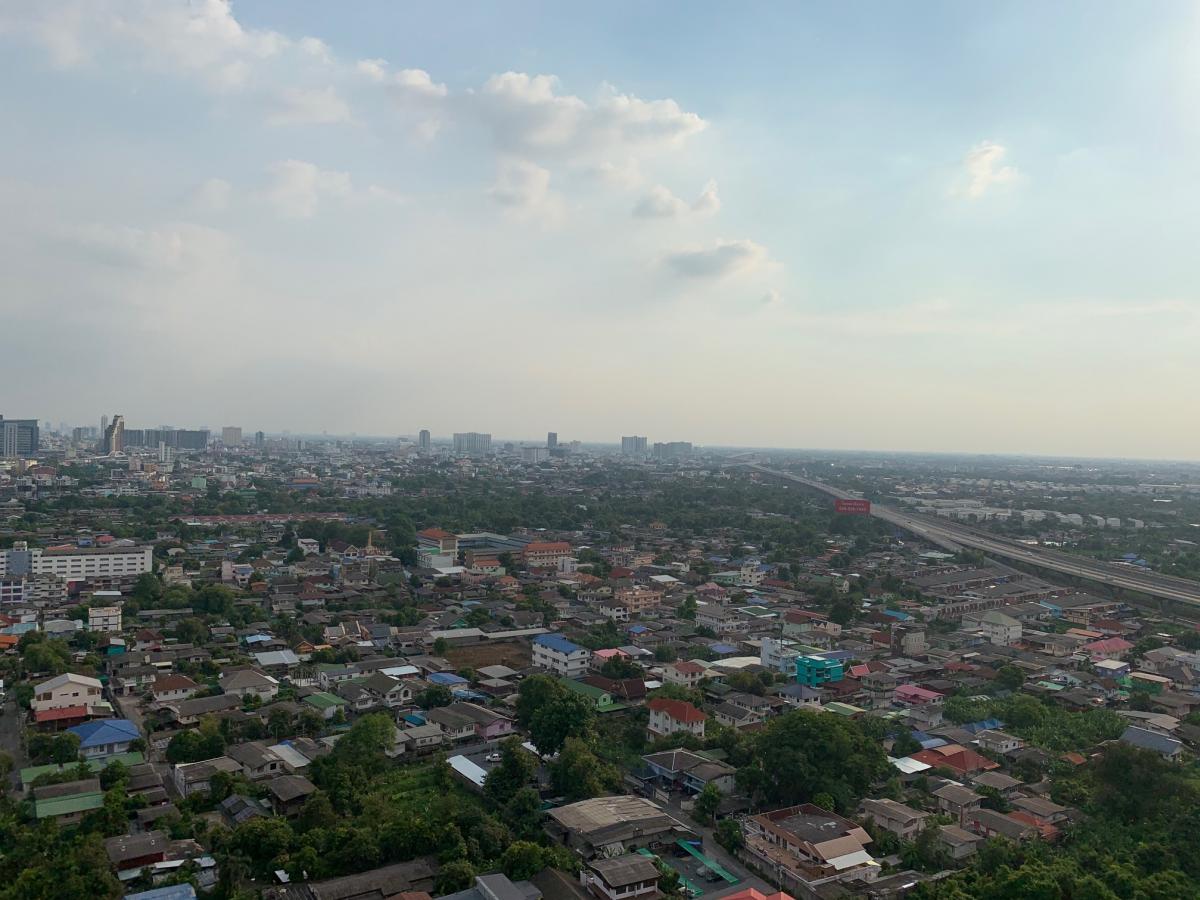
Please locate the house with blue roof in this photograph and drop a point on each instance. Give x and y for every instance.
(556, 654)
(103, 738)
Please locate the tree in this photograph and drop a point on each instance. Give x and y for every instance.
(802, 753)
(116, 772)
(708, 801)
(279, 722)
(569, 715)
(440, 646)
(523, 813)
(522, 860)
(905, 744)
(1010, 678)
(620, 667)
(454, 876)
(435, 695)
(664, 653)
(515, 771)
(61, 748)
(578, 774)
(535, 692)
(843, 611)
(729, 835)
(195, 745)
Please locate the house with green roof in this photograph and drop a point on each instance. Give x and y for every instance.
(68, 802)
(602, 699)
(325, 703)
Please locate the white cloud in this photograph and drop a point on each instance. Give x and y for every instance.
(984, 168)
(202, 36)
(417, 82)
(164, 247)
(660, 203)
(529, 116)
(297, 106)
(709, 202)
(297, 187)
(524, 188)
(212, 196)
(772, 299)
(719, 260)
(622, 175)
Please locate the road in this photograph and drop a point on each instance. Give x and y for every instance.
(953, 536)
(10, 737)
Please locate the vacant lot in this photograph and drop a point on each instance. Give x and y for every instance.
(498, 653)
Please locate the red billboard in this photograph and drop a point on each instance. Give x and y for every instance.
(852, 507)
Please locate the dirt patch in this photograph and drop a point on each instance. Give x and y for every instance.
(493, 653)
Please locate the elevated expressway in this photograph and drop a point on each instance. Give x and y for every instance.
(953, 536)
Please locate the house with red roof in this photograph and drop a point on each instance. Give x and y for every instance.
(671, 716)
(956, 757)
(684, 672)
(1108, 648)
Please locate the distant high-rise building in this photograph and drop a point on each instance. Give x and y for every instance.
(424, 441)
(634, 445)
(114, 436)
(231, 435)
(535, 454)
(189, 439)
(673, 450)
(472, 442)
(259, 439)
(551, 440)
(18, 437)
(103, 426)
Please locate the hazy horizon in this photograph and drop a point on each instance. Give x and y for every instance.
(953, 228)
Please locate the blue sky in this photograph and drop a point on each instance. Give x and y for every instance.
(938, 226)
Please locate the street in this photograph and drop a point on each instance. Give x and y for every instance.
(10, 737)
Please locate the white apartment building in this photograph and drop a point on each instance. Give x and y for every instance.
(1001, 630)
(779, 655)
(104, 618)
(77, 563)
(560, 656)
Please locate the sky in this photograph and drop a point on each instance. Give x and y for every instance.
(923, 226)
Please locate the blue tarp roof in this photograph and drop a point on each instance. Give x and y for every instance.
(557, 642)
(105, 731)
(984, 725)
(447, 678)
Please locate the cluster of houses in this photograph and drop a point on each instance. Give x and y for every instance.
(317, 644)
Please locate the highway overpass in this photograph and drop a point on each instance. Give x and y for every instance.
(953, 536)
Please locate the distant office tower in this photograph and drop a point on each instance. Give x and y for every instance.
(231, 435)
(259, 439)
(103, 426)
(633, 446)
(551, 440)
(535, 454)
(673, 450)
(424, 441)
(114, 436)
(186, 439)
(18, 437)
(473, 442)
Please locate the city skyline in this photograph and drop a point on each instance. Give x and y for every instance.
(941, 228)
